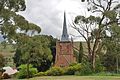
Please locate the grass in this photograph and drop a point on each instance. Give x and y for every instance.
(76, 78)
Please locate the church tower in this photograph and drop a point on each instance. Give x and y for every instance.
(64, 49)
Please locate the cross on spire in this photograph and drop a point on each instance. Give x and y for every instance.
(65, 36)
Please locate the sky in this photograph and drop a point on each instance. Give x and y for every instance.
(48, 14)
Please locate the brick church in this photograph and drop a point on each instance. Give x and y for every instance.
(64, 49)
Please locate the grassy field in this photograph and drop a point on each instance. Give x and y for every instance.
(76, 78)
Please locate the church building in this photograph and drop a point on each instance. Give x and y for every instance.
(64, 49)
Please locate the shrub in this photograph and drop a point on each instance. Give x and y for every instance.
(85, 69)
(72, 69)
(23, 71)
(55, 71)
(99, 68)
(41, 74)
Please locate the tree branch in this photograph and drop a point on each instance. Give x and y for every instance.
(76, 28)
(98, 5)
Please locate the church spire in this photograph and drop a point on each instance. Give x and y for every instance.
(65, 33)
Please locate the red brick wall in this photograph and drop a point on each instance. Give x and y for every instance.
(64, 54)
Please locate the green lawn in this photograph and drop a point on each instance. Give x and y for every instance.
(76, 78)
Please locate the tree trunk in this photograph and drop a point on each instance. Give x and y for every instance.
(94, 53)
(80, 56)
(89, 51)
(93, 61)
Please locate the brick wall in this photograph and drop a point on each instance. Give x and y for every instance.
(64, 54)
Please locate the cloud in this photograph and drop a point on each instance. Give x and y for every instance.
(48, 14)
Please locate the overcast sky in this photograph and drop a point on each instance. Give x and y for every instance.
(48, 14)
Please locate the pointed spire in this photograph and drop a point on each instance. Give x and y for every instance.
(65, 33)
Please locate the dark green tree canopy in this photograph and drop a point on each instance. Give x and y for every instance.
(36, 49)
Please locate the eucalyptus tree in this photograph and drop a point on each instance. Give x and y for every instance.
(11, 22)
(15, 27)
(112, 44)
(92, 28)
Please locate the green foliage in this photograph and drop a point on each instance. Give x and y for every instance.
(4, 44)
(2, 61)
(110, 14)
(96, 28)
(85, 69)
(11, 22)
(88, 20)
(99, 67)
(36, 47)
(8, 16)
(55, 71)
(58, 71)
(72, 69)
(23, 71)
(41, 74)
(13, 5)
(112, 46)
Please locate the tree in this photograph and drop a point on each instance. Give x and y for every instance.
(45, 63)
(34, 50)
(16, 28)
(112, 45)
(4, 44)
(12, 23)
(92, 28)
(80, 52)
(52, 46)
(8, 15)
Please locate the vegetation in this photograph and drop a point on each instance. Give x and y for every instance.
(76, 78)
(35, 54)
(72, 69)
(93, 28)
(11, 23)
(40, 48)
(2, 61)
(23, 70)
(80, 53)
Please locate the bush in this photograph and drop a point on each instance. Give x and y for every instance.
(41, 74)
(85, 69)
(55, 71)
(99, 68)
(72, 69)
(23, 71)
